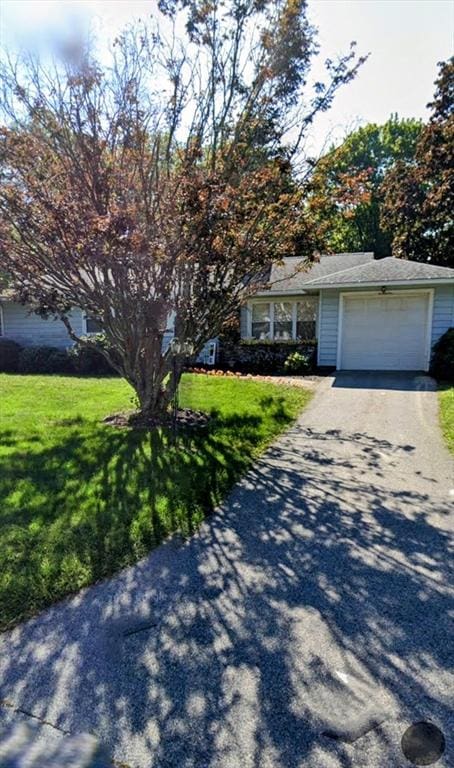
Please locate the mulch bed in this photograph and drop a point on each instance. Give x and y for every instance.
(185, 417)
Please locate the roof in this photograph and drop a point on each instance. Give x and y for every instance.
(292, 274)
(383, 271)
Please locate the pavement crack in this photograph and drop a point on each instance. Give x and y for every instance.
(42, 720)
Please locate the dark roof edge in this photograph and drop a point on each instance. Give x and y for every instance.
(414, 281)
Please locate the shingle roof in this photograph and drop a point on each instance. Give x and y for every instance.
(293, 273)
(382, 271)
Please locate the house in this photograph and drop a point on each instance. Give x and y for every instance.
(364, 313)
(28, 329)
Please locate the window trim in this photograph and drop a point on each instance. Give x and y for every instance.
(86, 332)
(279, 300)
(270, 313)
(293, 305)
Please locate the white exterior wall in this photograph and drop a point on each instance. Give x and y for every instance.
(443, 311)
(244, 322)
(31, 330)
(328, 314)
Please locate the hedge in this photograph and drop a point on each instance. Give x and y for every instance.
(266, 357)
(84, 360)
(9, 356)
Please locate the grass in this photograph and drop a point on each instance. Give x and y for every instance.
(446, 396)
(80, 500)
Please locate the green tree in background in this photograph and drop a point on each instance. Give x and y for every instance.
(419, 196)
(345, 195)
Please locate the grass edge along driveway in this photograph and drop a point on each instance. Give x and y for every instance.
(446, 400)
(80, 500)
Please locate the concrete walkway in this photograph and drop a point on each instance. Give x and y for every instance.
(316, 599)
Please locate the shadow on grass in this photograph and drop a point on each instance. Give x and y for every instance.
(225, 651)
(95, 498)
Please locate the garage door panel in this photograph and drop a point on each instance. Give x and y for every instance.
(384, 332)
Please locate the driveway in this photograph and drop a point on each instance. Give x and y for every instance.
(317, 599)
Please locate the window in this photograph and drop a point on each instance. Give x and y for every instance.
(283, 320)
(282, 326)
(261, 323)
(92, 325)
(306, 313)
(1, 320)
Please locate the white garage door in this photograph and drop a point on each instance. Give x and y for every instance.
(384, 332)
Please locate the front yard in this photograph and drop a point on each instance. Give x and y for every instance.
(79, 499)
(446, 395)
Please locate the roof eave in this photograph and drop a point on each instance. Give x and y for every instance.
(422, 282)
(283, 292)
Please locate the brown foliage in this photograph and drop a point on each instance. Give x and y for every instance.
(148, 204)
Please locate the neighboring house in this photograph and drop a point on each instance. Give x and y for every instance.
(28, 329)
(365, 314)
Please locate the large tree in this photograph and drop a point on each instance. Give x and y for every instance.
(345, 187)
(160, 185)
(419, 195)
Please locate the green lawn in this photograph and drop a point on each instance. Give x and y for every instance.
(79, 499)
(446, 395)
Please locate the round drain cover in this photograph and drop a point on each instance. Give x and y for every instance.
(423, 743)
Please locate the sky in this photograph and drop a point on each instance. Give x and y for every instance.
(405, 39)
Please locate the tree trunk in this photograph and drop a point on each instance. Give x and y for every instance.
(155, 393)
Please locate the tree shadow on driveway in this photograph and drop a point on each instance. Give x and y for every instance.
(315, 590)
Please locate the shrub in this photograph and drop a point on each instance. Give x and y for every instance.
(9, 356)
(263, 357)
(296, 363)
(44, 360)
(442, 365)
(87, 359)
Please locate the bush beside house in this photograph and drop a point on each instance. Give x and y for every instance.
(265, 357)
(88, 361)
(442, 365)
(245, 356)
(297, 363)
(9, 356)
(46, 359)
(290, 357)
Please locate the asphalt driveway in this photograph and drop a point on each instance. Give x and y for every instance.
(317, 599)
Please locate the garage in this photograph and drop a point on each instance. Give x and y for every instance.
(384, 332)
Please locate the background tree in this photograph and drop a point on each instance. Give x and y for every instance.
(419, 195)
(345, 187)
(159, 186)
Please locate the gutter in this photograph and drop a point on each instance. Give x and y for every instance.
(423, 283)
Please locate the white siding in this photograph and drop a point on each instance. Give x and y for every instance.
(29, 329)
(244, 321)
(166, 339)
(328, 324)
(443, 311)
